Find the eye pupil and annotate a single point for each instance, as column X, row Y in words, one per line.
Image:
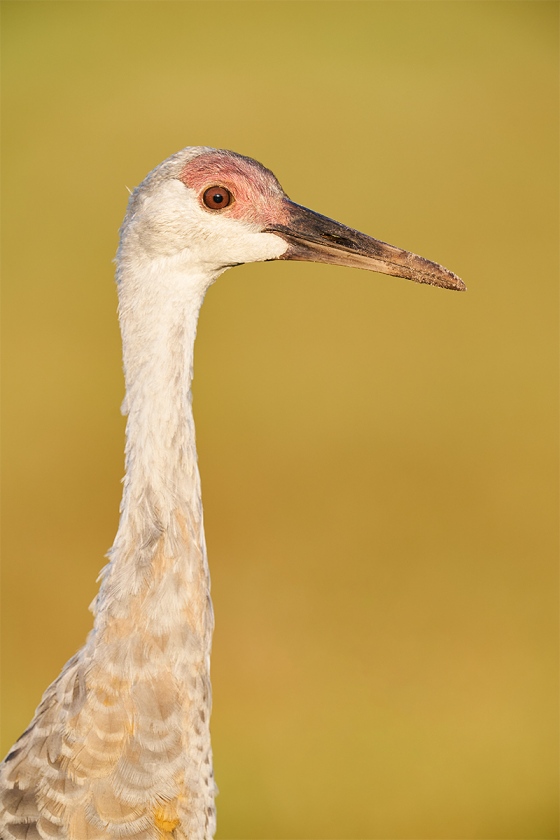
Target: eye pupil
column 216, row 198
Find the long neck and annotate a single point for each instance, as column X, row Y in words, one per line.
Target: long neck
column 158, row 562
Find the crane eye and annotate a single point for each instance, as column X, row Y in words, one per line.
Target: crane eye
column 216, row 198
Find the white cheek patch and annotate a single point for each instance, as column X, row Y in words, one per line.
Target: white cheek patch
column 232, row 241
column 173, row 221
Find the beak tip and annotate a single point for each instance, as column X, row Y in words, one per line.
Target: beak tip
column 458, row 286
column 437, row 275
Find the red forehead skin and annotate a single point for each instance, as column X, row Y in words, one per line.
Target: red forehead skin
column 258, row 197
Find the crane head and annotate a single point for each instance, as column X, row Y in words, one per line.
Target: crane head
column 222, row 209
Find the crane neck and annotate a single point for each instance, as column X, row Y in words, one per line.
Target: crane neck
column 161, row 525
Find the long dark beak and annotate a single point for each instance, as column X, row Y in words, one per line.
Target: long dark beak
column 316, row 238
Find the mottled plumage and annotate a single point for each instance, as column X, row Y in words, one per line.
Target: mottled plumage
column 120, row 745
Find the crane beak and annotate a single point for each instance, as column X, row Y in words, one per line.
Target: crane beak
column 315, row 238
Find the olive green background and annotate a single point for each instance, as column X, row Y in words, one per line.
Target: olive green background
column 378, row 458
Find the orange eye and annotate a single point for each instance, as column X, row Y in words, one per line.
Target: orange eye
column 216, row 198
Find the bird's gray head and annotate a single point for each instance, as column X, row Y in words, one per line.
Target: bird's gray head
column 210, row 209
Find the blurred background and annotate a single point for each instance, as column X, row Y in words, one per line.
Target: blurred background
column 378, row 458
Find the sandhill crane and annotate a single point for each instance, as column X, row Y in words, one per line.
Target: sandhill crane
column 120, row 744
